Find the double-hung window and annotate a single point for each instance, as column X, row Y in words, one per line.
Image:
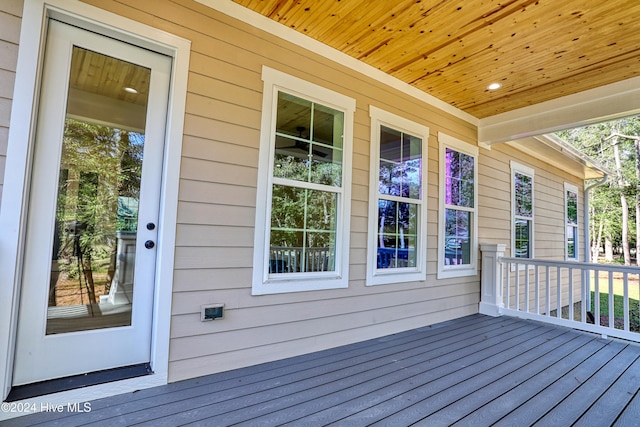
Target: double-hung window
column 571, row 219
column 457, row 237
column 522, row 208
column 397, row 203
column 302, row 208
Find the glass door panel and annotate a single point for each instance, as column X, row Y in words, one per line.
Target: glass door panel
column 98, row 195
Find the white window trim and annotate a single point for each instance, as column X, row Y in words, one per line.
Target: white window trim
column 471, row 269
column 523, row 170
column 573, row 188
column 275, row 81
column 377, row 276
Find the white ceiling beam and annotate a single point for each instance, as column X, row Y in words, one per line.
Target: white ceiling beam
column 106, row 111
column 591, row 106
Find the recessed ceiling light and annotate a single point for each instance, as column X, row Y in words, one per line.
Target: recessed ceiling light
column 130, row 90
column 494, row 86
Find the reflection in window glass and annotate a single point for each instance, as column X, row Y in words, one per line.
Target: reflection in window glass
column 459, row 201
column 459, row 179
column 399, row 193
column 308, row 142
column 571, row 198
column 523, row 214
column 524, row 198
column 458, row 237
column 96, row 216
column 571, row 242
column 303, row 230
column 522, row 233
column 400, row 164
column 397, row 234
column 308, row 153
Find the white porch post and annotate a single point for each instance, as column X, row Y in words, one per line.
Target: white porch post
column 491, row 301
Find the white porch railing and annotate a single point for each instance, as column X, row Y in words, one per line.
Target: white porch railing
column 563, row 293
column 287, row 259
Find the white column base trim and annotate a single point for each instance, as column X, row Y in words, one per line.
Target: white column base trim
column 490, row 309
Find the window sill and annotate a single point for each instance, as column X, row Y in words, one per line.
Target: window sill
column 457, row 272
column 382, row 277
column 282, row 285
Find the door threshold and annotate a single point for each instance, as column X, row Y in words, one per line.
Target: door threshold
column 57, row 385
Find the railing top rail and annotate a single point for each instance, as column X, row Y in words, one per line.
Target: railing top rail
column 572, row 264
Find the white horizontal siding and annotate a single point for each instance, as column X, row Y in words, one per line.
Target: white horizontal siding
column 10, row 20
column 495, row 201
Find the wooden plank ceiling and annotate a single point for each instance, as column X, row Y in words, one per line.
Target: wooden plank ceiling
column 92, row 72
column 453, row 49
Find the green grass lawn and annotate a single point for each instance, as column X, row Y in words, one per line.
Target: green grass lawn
column 618, row 309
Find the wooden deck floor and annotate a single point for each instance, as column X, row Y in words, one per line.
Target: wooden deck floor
column 473, row 371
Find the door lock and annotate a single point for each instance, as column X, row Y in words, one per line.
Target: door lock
column 151, row 226
column 149, row 244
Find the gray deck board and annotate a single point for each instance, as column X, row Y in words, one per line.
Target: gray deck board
column 373, row 387
column 291, row 383
column 397, row 371
column 440, row 381
column 180, row 393
column 537, row 375
column 394, row 370
column 430, row 409
column 310, row 387
column 578, row 402
column 476, row 370
column 610, row 404
column 631, row 414
column 534, row 407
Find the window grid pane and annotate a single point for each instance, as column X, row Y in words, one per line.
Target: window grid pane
column 308, row 145
column 523, row 195
column 522, row 214
column 572, row 208
column 400, row 175
column 459, row 179
column 397, row 234
column 459, row 208
column 400, row 164
column 522, row 238
column 303, row 230
column 307, row 156
column 572, row 238
column 457, row 246
column 572, row 224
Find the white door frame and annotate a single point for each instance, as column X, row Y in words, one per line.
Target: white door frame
column 41, row 355
column 15, row 189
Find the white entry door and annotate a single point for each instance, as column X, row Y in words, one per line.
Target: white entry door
column 88, row 270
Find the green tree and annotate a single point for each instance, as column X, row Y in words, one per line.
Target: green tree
column 100, row 166
column 616, row 146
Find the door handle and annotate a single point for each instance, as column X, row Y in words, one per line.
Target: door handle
column 149, row 244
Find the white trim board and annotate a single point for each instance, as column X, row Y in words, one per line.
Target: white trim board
column 13, row 213
column 270, row 26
